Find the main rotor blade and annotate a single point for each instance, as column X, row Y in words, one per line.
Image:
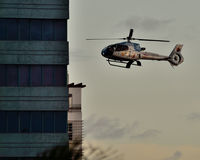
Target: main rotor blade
column 130, row 34
column 106, row 39
column 155, row 40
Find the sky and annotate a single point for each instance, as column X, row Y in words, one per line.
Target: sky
column 150, row 112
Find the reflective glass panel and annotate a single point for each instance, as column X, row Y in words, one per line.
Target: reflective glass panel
column 2, row 122
column 12, row 75
column 60, row 122
column 48, row 75
column 47, row 33
column 2, row 29
column 13, row 122
column 36, row 29
column 2, row 75
column 24, row 122
column 36, row 75
column 36, row 122
column 24, row 25
column 48, row 122
column 60, row 30
column 12, row 29
column 23, row 75
column 60, row 75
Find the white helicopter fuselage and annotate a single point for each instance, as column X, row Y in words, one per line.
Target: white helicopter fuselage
column 127, row 51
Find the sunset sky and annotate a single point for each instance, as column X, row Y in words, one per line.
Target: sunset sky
column 150, row 112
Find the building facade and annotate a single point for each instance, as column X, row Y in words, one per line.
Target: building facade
column 74, row 113
column 33, row 76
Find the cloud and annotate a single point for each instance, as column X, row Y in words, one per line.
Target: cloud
column 194, row 116
column 105, row 127
column 112, row 128
column 144, row 23
column 146, row 134
column 101, row 153
column 176, row 156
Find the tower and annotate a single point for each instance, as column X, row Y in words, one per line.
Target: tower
column 75, row 117
column 74, row 112
column 33, row 76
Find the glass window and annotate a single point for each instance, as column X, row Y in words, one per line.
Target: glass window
column 47, row 75
column 60, row 122
column 33, row 75
column 12, row 75
column 70, row 127
column 60, row 29
column 137, row 47
column 48, row 122
column 2, row 122
column 70, row 101
column 24, row 75
column 24, row 122
column 70, row 136
column 12, row 29
column 47, row 33
column 36, row 29
column 60, row 75
column 36, row 122
column 24, row 29
column 36, row 75
column 2, row 75
column 2, row 29
column 13, row 122
column 121, row 47
column 33, row 29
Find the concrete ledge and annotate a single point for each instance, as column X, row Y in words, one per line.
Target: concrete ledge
column 28, row 145
column 32, row 138
column 34, row 98
column 34, row 52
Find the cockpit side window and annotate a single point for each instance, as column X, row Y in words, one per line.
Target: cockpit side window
column 120, row 47
column 137, row 47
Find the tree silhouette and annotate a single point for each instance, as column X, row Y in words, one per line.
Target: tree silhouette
column 75, row 152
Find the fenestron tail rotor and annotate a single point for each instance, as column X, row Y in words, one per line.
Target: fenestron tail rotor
column 129, row 38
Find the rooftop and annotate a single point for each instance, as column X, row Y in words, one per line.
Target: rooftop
column 79, row 85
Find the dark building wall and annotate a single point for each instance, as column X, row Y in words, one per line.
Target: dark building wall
column 33, row 76
column 47, row 9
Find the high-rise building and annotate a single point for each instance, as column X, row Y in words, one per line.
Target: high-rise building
column 33, row 76
column 75, row 117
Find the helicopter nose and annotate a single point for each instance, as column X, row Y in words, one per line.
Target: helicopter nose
column 103, row 52
column 107, row 52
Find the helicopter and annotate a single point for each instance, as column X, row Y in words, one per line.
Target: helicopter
column 130, row 53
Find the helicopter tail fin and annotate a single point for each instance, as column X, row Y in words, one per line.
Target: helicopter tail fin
column 176, row 58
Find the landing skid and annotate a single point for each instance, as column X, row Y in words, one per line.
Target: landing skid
column 128, row 64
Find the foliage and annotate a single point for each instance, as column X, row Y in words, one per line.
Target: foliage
column 75, row 152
